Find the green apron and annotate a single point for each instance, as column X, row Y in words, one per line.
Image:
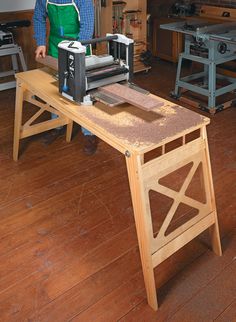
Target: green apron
column 64, row 22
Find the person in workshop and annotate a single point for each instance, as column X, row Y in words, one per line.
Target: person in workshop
column 67, row 18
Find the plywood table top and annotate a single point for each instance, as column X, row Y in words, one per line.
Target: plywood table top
column 125, row 127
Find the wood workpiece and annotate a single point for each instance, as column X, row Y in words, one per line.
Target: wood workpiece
column 135, row 132
column 132, row 96
column 48, row 61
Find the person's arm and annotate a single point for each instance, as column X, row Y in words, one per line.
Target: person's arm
column 39, row 20
column 86, row 10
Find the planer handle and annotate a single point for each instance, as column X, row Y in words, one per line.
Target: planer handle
column 96, row 40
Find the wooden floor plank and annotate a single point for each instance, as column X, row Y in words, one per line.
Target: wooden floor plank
column 229, row 314
column 183, row 287
column 69, row 238
column 32, row 204
column 54, row 278
column 214, row 298
column 89, row 291
column 127, row 295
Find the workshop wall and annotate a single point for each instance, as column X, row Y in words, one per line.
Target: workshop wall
column 225, row 3
column 161, row 8
column 13, row 5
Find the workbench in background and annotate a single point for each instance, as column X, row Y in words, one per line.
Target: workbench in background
column 157, row 146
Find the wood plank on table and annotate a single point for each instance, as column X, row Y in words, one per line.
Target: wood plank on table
column 48, row 61
column 133, row 97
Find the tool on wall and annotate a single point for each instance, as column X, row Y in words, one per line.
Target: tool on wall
column 118, row 16
column 132, row 22
column 97, row 17
column 183, row 8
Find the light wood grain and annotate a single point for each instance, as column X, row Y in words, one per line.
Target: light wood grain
column 133, row 97
column 49, row 61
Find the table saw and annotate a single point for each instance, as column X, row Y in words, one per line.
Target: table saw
column 210, row 44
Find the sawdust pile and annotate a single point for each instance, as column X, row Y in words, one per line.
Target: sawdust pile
column 138, row 128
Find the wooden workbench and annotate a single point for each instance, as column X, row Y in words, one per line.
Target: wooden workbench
column 155, row 145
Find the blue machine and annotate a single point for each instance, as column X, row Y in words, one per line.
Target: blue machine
column 211, row 45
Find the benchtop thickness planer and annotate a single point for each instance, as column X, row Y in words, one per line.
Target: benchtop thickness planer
column 107, row 78
column 79, row 73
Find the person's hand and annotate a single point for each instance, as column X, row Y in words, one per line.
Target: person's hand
column 40, row 52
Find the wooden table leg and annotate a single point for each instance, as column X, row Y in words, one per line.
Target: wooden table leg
column 142, row 222
column 214, row 230
column 29, row 128
column 69, row 129
column 18, row 119
column 144, row 177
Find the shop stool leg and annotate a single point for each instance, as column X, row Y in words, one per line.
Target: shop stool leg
column 177, row 89
column 14, row 63
column 69, row 129
column 22, row 59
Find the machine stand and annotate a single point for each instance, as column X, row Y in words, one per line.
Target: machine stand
column 208, row 45
column 208, row 86
column 13, row 51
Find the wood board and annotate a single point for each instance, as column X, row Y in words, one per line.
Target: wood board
column 132, row 96
column 49, row 61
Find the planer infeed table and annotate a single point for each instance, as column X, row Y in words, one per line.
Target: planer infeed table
column 211, row 45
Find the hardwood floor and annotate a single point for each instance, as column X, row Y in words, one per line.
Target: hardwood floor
column 68, row 246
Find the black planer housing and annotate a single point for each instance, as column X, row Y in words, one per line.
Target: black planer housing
column 79, row 73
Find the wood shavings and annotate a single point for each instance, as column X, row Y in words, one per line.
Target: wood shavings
column 167, row 109
column 140, row 128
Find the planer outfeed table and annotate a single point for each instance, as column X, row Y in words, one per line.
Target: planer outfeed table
column 210, row 44
column 148, row 142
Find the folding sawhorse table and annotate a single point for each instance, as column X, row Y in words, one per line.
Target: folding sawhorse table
column 137, row 134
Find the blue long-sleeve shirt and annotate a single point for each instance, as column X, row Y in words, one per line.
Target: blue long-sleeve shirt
column 86, row 11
